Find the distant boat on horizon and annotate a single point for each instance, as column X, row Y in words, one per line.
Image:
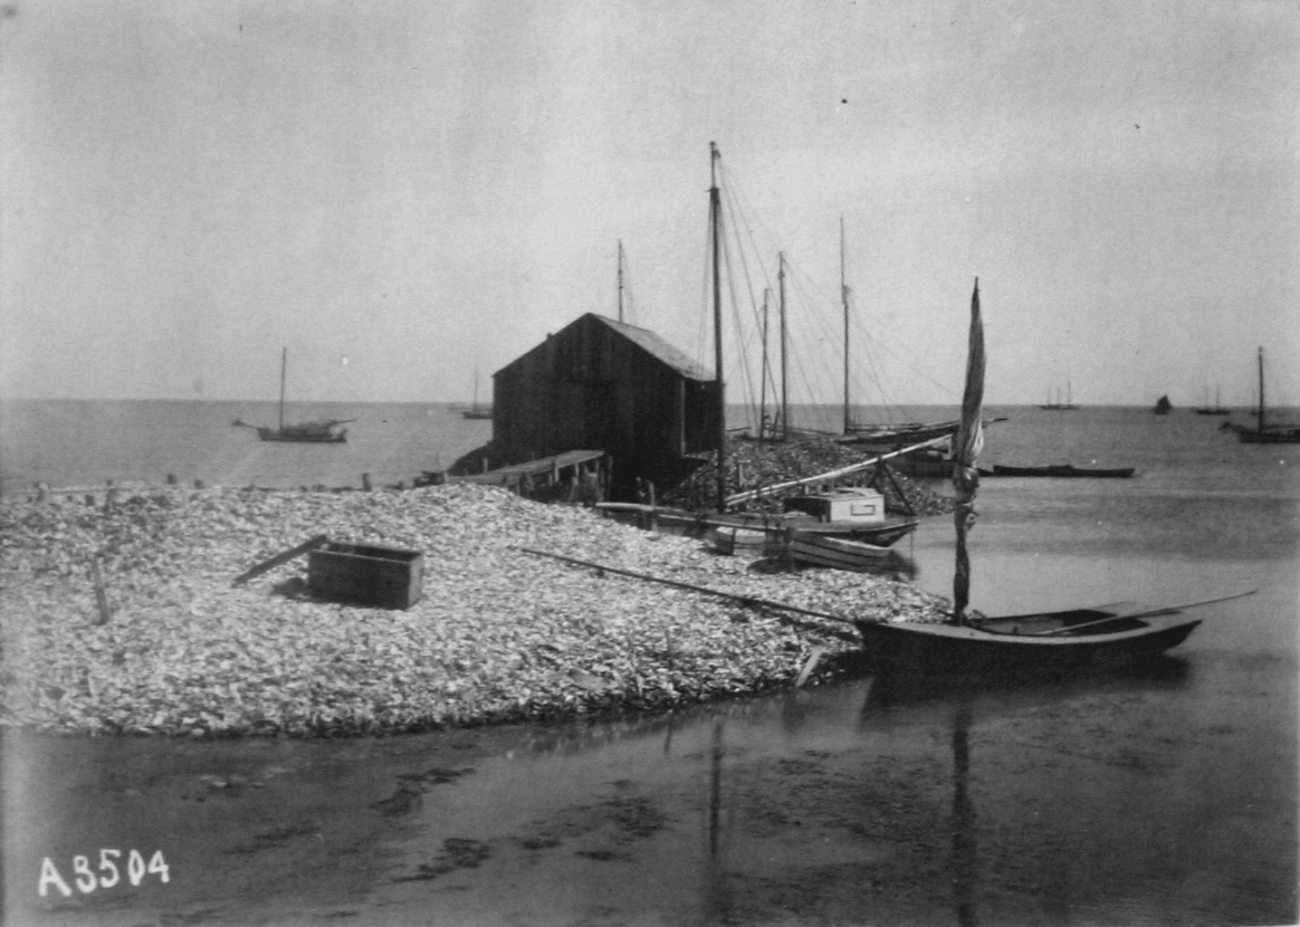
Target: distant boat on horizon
column 475, row 410
column 1163, row 405
column 1216, row 409
column 324, row 431
column 1059, row 406
column 1265, row 433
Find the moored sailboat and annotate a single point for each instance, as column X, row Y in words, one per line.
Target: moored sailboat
column 476, row 410
column 1052, row 641
column 1264, row 433
column 323, row 431
column 1216, row 409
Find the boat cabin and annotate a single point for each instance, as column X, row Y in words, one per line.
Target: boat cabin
column 854, row 504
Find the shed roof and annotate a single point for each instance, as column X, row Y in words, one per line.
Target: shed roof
column 655, row 345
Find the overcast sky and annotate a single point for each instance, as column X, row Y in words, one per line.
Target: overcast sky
column 402, row 192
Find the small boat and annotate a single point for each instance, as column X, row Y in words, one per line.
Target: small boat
column 1017, row 644
column 1264, row 433
column 897, row 435
column 1163, row 405
column 700, row 524
column 732, row 541
column 1048, row 642
column 1061, row 470
column 815, row 548
column 324, row 431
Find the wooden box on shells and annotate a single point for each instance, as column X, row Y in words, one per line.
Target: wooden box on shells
column 362, row 574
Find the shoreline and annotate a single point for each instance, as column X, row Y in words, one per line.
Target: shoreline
column 498, row 636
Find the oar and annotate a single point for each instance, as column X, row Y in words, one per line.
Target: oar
column 284, row 557
column 1165, row 610
column 745, row 599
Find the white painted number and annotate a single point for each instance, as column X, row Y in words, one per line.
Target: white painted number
column 106, row 863
column 110, row 874
column 86, row 880
column 159, row 865
column 135, row 867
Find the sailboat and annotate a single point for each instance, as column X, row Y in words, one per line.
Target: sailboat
column 476, row 410
column 880, row 436
column 1163, row 405
column 1050, row 641
column 1216, row 409
column 324, row 431
column 1059, row 406
column 1264, row 433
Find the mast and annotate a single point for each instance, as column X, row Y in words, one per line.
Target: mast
column 785, row 420
column 844, row 298
column 715, row 222
column 620, row 280
column 1261, row 388
column 762, row 376
column 284, row 362
column 966, row 448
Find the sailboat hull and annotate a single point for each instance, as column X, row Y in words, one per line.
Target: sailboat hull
column 1275, row 436
column 952, row 649
column 299, row 434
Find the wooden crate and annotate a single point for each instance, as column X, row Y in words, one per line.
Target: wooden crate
column 362, row 574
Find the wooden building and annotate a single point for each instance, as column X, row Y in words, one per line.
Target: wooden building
column 603, row 384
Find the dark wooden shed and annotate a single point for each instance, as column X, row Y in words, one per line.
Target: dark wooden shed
column 602, row 384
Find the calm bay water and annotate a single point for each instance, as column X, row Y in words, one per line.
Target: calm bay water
column 1161, row 796
column 84, row 443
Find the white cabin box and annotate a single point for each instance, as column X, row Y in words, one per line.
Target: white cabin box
column 849, row 504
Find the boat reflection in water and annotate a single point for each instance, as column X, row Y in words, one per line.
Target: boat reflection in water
column 953, row 701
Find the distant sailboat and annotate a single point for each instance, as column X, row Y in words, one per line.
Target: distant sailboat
column 1216, row 409
column 1163, row 405
column 1265, row 433
column 325, row 431
column 1059, row 406
column 476, row 410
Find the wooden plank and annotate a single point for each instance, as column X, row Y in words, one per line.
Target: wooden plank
column 751, row 601
column 278, row 559
column 101, row 593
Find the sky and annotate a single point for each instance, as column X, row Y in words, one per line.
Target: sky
column 409, row 195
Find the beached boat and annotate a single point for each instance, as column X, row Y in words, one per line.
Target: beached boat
column 1061, row 471
column 733, row 541
column 813, row 548
column 1264, row 433
column 1047, row 642
column 1019, row 644
column 323, row 431
column 699, row 524
column 1163, row 406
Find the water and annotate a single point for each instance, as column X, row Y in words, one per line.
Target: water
column 1165, row 795
column 83, row 443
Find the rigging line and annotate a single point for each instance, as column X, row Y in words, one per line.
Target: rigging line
column 736, row 192
column 823, row 336
column 747, row 390
column 736, row 223
column 736, row 243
